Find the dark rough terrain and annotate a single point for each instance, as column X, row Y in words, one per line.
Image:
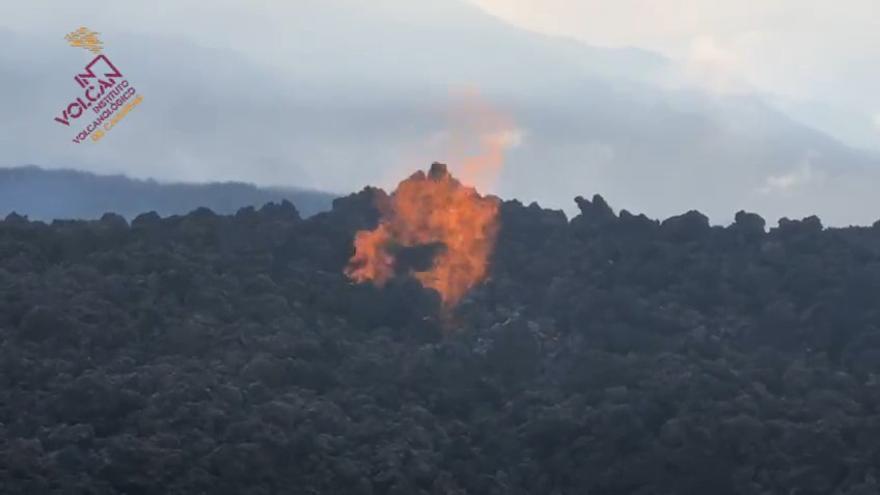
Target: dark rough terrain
column 609, row 354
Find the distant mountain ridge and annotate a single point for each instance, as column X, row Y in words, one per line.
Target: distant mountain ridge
column 48, row 194
column 334, row 112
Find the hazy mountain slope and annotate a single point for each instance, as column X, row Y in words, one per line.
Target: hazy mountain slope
column 67, row 194
column 336, row 94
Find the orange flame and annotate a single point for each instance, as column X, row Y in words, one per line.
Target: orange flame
column 437, row 209
column 476, row 136
column 426, row 209
column 479, row 136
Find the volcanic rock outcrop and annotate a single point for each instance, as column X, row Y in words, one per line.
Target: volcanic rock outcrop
column 609, row 354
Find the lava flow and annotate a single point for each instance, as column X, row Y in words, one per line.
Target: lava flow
column 434, row 211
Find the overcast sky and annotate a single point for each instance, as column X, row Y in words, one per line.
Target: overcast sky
column 820, row 59
column 715, row 105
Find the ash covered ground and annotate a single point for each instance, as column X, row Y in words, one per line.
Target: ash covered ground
column 608, row 354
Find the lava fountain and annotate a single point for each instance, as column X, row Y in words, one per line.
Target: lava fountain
column 437, row 213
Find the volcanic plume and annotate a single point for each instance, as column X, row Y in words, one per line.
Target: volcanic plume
column 435, row 215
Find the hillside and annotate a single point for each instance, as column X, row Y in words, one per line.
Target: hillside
column 608, row 354
column 334, row 112
column 43, row 194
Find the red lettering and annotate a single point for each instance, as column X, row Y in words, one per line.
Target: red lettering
column 90, row 74
column 74, row 109
column 89, row 95
column 63, row 119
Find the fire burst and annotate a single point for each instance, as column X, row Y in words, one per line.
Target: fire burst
column 431, row 210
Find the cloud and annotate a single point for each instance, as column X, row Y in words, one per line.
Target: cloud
column 793, row 181
column 345, row 113
column 771, row 46
column 714, row 67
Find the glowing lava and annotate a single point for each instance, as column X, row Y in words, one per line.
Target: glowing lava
column 433, row 209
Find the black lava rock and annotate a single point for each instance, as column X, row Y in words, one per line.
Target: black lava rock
column 609, row 354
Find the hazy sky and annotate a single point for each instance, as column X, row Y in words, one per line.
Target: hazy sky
column 820, row 59
column 715, row 105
